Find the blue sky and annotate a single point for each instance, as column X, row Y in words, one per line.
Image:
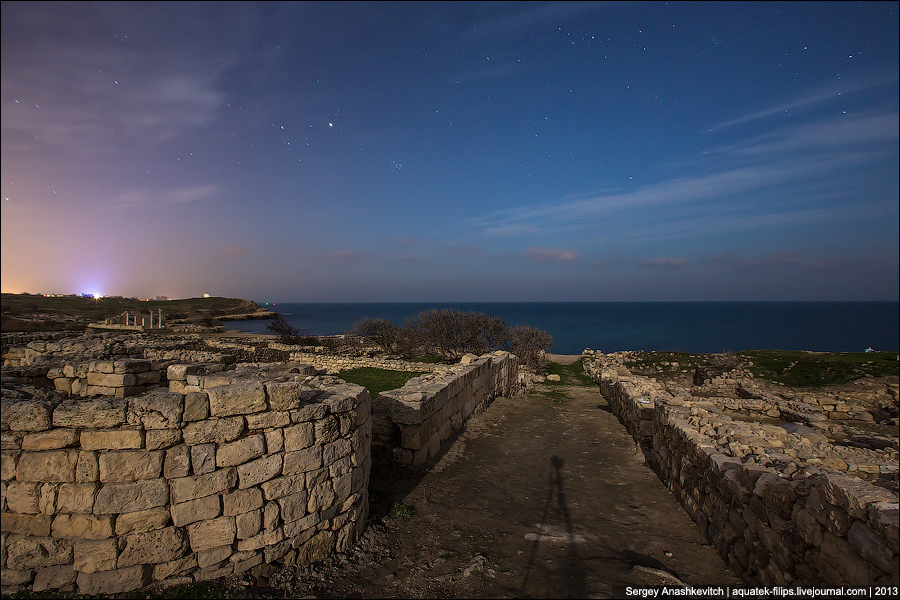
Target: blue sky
column 452, row 152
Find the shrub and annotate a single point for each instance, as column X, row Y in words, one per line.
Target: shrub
column 451, row 333
column 381, row 331
column 529, row 344
column 287, row 333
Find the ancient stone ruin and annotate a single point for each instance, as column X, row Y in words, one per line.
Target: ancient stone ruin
column 123, row 466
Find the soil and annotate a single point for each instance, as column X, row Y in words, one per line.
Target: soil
column 542, row 496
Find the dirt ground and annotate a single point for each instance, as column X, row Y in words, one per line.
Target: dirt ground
column 542, row 496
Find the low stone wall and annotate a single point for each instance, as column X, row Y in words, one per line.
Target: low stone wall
column 108, row 495
column 773, row 510
column 411, row 423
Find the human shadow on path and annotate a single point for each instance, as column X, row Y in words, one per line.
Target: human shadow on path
column 573, row 568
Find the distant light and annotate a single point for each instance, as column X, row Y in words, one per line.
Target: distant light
column 331, row 124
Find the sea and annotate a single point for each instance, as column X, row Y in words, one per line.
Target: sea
column 694, row 327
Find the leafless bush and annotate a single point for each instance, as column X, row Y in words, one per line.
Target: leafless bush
column 529, row 344
column 287, row 333
column 382, row 332
column 450, row 333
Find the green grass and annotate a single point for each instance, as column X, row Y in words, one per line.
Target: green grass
column 570, row 374
column 401, row 512
column 808, row 369
column 378, row 380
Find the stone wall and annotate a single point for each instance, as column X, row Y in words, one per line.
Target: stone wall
column 776, row 513
column 411, row 423
column 112, row 494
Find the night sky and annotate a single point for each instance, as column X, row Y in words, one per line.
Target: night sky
column 451, row 152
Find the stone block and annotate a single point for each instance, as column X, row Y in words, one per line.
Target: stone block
column 142, row 520
column 852, row 494
column 26, row 415
column 177, row 462
column 299, row 436
column 76, row 497
column 131, row 365
column 159, row 439
column 125, row 466
column 316, row 548
column 87, row 469
column 302, row 461
column 53, row 439
column 282, row 486
column 321, row 497
column 216, row 431
column 775, row 493
column 213, row 556
column 23, row 497
column 147, row 378
column 198, row 486
column 212, row 533
column 116, row 581
column 196, row 406
column 309, row 412
column 151, row 547
column 38, row 525
column 116, row 498
column 158, row 409
column 101, row 366
column 199, row 509
column 99, row 413
column 96, row 555
column 8, row 463
column 49, row 466
column 872, row 547
column 284, row 395
column 327, row 430
column 13, row 577
column 236, row 399
column 842, row 564
column 266, row 538
column 274, row 441
column 52, row 578
column 336, row 450
column 82, row 526
column 33, row 552
column 203, row 458
column 241, row 501
column 112, row 380
column 884, row 517
column 174, row 567
column 240, row 451
column 248, row 524
column 294, row 506
column 115, row 439
column 268, row 420
column 258, row 471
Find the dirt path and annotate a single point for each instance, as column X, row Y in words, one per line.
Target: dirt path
column 542, row 496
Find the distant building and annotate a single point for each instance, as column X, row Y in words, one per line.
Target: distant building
column 206, row 294
column 161, row 298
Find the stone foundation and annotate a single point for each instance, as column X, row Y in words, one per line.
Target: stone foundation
column 111, row 494
column 410, row 424
column 774, row 510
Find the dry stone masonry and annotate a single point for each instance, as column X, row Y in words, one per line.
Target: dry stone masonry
column 780, row 503
column 411, row 423
column 219, row 473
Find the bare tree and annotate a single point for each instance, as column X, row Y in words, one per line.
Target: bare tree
column 529, row 344
column 381, row 331
column 287, row 333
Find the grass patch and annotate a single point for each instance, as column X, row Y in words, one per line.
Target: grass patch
column 572, row 374
column 556, row 396
column 378, row 380
column 401, row 512
column 809, row 369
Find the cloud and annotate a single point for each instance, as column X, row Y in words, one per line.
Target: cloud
column 665, row 261
column 146, row 198
column 541, row 254
column 813, row 99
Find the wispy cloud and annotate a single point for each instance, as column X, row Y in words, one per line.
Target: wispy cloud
column 146, row 198
column 541, row 254
column 664, row 261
